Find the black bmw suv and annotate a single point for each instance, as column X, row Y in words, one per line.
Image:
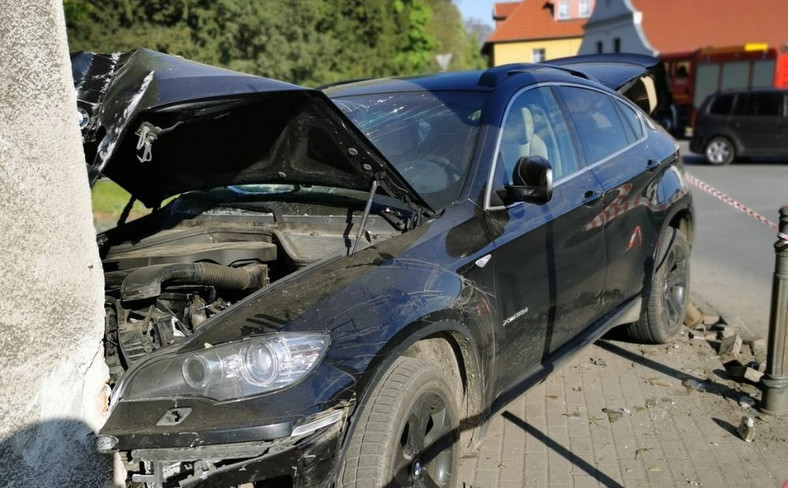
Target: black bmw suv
column 352, row 280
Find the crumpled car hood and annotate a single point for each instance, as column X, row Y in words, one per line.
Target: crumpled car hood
column 160, row 125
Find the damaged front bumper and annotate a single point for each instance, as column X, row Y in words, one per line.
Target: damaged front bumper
column 305, row 457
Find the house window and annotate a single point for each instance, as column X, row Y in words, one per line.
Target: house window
column 563, row 10
column 598, row 46
column 584, row 9
column 617, row 45
column 537, row 55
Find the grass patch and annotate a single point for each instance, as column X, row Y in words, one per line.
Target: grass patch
column 109, row 199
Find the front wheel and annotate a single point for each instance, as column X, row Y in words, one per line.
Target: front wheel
column 666, row 303
column 720, row 151
column 407, row 434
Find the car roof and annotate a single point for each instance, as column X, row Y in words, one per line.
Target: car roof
column 478, row 80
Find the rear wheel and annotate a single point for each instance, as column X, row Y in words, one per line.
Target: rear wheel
column 720, row 151
column 666, row 303
column 407, row 434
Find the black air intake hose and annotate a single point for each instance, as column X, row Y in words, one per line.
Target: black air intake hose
column 147, row 282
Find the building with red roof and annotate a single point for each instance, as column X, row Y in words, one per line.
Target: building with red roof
column 659, row 27
column 532, row 31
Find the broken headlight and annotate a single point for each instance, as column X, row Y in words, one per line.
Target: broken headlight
column 230, row 371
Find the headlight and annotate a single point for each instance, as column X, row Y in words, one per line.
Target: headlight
column 230, row 371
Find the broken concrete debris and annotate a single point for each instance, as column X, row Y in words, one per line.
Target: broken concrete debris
column 613, row 414
column 758, row 348
column 726, row 332
column 711, row 336
column 709, row 319
column 731, row 345
column 752, row 371
column 747, row 401
column 747, row 428
column 752, row 375
column 693, row 384
column 693, row 316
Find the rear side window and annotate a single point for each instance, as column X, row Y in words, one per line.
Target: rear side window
column 721, row 105
column 631, row 120
column 599, row 126
column 760, row 104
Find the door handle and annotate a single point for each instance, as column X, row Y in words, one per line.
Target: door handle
column 591, row 196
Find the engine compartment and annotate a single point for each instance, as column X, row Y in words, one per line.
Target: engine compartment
column 168, row 273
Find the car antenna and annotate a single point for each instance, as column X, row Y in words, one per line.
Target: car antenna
column 366, row 214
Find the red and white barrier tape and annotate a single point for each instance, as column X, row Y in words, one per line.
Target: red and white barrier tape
column 730, row 201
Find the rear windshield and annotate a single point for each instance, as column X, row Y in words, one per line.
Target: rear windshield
column 429, row 137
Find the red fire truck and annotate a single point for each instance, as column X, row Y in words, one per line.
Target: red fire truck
column 694, row 75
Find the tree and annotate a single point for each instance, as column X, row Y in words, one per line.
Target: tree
column 309, row 42
column 448, row 27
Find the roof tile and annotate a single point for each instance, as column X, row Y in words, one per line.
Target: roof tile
column 673, row 26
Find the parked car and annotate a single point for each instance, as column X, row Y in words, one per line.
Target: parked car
column 741, row 124
column 353, row 279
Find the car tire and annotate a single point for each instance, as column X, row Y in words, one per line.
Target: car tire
column 407, row 432
column 666, row 303
column 720, row 151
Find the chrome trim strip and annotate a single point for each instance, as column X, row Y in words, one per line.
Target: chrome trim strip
column 317, row 424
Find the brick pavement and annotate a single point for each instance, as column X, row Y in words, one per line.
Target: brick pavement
column 669, row 435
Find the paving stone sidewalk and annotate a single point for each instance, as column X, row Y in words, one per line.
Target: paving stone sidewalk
column 624, row 414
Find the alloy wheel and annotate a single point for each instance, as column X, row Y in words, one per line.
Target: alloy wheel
column 719, row 151
column 675, row 289
column 425, row 453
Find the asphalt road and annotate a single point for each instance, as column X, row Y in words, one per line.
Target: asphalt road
column 733, row 255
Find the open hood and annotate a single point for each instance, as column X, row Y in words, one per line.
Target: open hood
column 159, row 125
column 638, row 77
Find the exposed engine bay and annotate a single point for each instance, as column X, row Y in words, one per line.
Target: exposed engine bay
column 167, row 273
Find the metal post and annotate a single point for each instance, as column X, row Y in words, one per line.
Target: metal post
column 775, row 381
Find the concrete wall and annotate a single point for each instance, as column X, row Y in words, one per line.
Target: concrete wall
column 52, row 373
column 521, row 52
column 615, row 19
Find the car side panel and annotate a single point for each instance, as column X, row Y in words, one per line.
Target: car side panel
column 631, row 185
column 550, row 267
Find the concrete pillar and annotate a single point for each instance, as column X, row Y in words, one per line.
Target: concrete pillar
column 52, row 373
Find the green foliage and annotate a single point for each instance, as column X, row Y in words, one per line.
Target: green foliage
column 76, row 10
column 308, row 42
column 109, row 200
column 449, row 29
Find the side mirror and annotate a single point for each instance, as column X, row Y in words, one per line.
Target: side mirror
column 532, row 181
